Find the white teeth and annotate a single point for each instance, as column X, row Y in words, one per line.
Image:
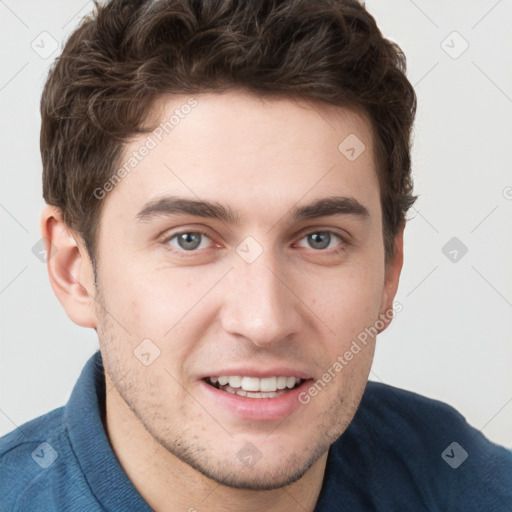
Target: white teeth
column 290, row 382
column 249, row 394
column 281, row 382
column 262, row 395
column 250, row 383
column 269, row 383
column 235, row 382
column 255, row 385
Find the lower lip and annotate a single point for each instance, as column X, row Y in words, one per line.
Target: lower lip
column 261, row 409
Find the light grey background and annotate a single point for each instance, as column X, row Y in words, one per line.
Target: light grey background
column 452, row 340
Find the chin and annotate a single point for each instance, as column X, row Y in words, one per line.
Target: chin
column 273, row 475
column 248, row 467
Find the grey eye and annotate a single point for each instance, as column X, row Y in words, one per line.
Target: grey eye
column 189, row 241
column 320, row 240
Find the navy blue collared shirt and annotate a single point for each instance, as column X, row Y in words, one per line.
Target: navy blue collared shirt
column 401, row 452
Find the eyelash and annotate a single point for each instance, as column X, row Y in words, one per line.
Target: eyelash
column 182, row 252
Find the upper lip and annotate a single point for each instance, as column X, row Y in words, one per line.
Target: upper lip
column 280, row 371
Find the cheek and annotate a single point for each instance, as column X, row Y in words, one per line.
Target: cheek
column 350, row 300
column 145, row 296
column 161, row 306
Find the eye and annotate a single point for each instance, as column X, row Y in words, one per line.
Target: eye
column 321, row 240
column 188, row 240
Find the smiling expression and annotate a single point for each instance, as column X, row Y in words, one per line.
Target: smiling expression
column 244, row 244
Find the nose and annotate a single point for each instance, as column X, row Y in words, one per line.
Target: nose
column 260, row 303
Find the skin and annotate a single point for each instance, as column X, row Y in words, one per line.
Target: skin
column 296, row 305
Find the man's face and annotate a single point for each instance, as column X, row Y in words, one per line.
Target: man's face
column 271, row 295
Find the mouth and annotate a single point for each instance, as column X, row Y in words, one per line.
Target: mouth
column 259, row 399
column 254, row 387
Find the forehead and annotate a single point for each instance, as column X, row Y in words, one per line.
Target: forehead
column 247, row 150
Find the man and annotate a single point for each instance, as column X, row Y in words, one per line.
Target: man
column 227, row 184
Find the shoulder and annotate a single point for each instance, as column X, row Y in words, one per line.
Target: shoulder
column 406, row 406
column 27, row 453
column 427, row 448
column 399, row 411
column 14, row 445
column 35, row 461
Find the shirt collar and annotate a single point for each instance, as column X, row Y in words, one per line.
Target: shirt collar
column 84, row 417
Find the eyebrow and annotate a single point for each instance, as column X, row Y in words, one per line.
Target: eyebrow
column 170, row 205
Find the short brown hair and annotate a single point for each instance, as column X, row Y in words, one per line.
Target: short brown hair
column 129, row 52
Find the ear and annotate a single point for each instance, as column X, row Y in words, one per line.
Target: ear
column 393, row 270
column 69, row 268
